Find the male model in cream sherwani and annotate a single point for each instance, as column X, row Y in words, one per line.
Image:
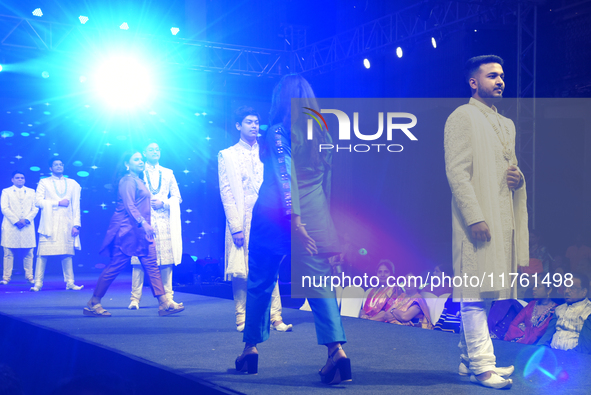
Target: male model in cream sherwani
column 489, row 213
column 18, row 226
column 166, row 221
column 58, row 198
column 241, row 175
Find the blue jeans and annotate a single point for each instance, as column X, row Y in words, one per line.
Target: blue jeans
column 262, row 277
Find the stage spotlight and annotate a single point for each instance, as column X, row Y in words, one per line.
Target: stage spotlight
column 123, row 82
column 38, row 12
column 174, row 30
column 366, row 63
column 399, row 52
column 433, row 42
column 83, row 19
column 124, row 26
column 82, row 78
column 45, row 74
column 0, row 67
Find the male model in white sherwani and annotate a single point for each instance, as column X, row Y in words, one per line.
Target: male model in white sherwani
column 240, row 172
column 489, row 213
column 58, row 198
column 18, row 226
column 166, row 221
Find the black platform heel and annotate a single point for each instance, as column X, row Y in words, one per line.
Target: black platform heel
column 249, row 364
column 341, row 370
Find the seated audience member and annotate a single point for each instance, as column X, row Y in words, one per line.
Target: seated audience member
column 539, row 258
column 501, row 314
column 570, row 329
column 377, row 298
column 577, row 252
column 440, row 271
column 558, row 292
column 439, row 285
column 532, row 321
column 409, row 308
column 450, row 319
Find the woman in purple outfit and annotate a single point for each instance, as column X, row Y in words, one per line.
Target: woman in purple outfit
column 130, row 234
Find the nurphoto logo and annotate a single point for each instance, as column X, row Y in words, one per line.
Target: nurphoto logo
column 345, row 130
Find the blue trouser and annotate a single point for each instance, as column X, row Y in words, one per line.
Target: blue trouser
column 263, row 270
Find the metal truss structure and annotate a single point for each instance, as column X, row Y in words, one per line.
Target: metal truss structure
column 36, row 34
column 421, row 20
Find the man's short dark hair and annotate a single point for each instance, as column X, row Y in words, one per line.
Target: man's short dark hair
column 473, row 64
column 584, row 279
column 244, row 111
column 51, row 160
column 14, row 173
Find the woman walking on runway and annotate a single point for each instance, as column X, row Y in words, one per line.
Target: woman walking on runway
column 130, row 234
column 293, row 204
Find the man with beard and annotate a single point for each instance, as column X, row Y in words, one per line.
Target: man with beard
column 489, row 213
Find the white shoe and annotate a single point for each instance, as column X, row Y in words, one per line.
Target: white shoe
column 74, row 287
column 134, row 305
column 494, row 381
column 36, row 288
column 282, row 327
column 3, row 282
column 463, row 370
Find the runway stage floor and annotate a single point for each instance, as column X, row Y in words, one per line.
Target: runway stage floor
column 46, row 339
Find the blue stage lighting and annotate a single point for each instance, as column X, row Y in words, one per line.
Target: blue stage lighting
column 83, row 19
column 366, row 63
column 433, row 42
column 38, row 12
column 174, row 30
column 45, row 74
column 399, row 52
column 123, row 82
column 0, row 67
column 124, row 26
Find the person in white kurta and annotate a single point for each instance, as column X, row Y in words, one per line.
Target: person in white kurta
column 489, row 214
column 166, row 221
column 18, row 226
column 58, row 198
column 240, row 173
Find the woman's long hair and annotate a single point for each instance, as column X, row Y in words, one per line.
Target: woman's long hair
column 294, row 86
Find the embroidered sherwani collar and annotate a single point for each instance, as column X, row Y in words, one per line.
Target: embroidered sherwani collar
column 483, row 107
column 247, row 146
column 150, row 167
column 16, row 189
